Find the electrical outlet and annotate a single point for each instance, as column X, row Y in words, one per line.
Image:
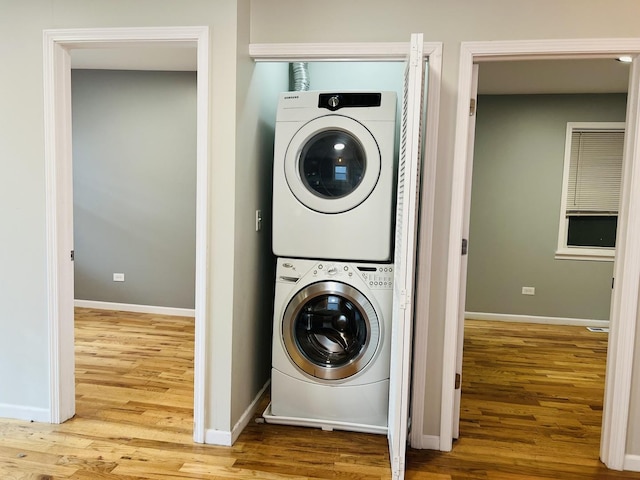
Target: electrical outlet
column 118, row 277
column 528, row 290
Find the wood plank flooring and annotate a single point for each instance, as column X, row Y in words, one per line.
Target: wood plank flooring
column 531, row 410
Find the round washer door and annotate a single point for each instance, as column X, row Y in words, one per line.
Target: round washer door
column 330, row 330
column 332, row 164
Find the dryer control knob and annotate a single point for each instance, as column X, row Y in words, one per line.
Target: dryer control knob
column 334, row 101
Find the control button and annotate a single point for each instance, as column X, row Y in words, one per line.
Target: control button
column 320, row 266
column 346, row 268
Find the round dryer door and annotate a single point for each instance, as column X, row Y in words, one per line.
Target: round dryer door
column 332, row 164
column 330, row 330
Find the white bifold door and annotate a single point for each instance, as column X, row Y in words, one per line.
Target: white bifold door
column 405, row 249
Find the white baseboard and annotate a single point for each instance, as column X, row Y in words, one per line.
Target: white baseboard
column 130, row 307
column 427, row 442
column 30, row 414
column 217, row 437
column 632, row 463
column 248, row 414
column 502, row 317
column 225, row 438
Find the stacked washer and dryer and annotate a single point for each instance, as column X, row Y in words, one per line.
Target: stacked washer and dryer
column 333, row 204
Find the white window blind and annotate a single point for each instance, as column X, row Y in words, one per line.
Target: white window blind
column 595, row 172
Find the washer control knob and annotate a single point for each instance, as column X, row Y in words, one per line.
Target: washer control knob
column 334, row 101
column 332, row 270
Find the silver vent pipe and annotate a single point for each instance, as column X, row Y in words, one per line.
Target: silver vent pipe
column 300, row 72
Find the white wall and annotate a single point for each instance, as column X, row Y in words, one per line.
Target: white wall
column 451, row 22
column 23, row 308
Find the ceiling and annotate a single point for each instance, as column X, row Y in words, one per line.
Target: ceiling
column 499, row 78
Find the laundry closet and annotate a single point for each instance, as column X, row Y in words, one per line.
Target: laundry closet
column 333, row 228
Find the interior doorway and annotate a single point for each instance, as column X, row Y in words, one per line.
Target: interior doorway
column 134, row 171
column 624, row 296
column 516, row 286
column 57, row 68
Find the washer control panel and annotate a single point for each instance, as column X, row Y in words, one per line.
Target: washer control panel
column 378, row 277
column 375, row 276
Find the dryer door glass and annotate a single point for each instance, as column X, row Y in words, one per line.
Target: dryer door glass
column 330, row 330
column 332, row 164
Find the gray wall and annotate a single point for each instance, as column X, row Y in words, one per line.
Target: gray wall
column 134, row 159
column 515, row 208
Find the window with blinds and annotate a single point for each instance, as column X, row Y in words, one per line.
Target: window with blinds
column 591, row 190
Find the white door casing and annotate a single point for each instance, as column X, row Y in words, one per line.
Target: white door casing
column 624, row 299
column 627, row 267
column 464, row 248
column 57, row 45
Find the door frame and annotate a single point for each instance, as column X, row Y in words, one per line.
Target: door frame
column 57, row 45
column 393, row 52
column 627, row 266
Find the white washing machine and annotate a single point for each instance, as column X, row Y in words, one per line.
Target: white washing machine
column 331, row 343
column 333, row 176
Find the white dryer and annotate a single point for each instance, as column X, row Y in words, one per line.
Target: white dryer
column 333, row 176
column 331, row 343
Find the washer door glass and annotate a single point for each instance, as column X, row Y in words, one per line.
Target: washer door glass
column 332, row 164
column 330, row 330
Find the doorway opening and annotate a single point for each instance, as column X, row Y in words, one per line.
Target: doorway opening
column 134, row 174
column 515, row 282
column 624, row 300
column 58, row 152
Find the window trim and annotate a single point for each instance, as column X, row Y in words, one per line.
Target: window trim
column 563, row 251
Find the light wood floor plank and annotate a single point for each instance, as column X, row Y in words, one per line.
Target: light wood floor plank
column 531, row 410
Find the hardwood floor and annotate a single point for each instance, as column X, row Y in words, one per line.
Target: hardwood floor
column 531, row 410
column 531, row 405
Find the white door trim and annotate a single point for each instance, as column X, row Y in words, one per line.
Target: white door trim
column 627, row 269
column 309, row 52
column 394, row 51
column 59, row 199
